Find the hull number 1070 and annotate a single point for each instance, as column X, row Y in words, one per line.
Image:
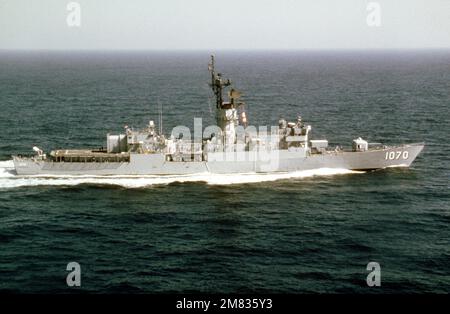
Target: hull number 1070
column 396, row 155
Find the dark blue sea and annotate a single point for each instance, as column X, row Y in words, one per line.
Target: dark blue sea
column 299, row 234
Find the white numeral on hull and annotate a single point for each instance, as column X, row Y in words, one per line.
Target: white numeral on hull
column 396, row 155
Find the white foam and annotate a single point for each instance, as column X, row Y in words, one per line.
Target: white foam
column 6, row 169
column 9, row 180
column 397, row 166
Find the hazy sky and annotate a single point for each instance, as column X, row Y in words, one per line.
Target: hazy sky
column 227, row 24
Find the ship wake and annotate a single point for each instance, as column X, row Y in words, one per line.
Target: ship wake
column 8, row 178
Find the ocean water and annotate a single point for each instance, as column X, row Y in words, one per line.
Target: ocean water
column 304, row 232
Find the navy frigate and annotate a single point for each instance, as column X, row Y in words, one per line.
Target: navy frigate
column 231, row 146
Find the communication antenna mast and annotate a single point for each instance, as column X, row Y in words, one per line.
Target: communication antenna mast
column 160, row 122
column 218, row 84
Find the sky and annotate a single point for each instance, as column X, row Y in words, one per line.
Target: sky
column 226, row 24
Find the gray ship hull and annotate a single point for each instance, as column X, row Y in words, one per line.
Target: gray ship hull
column 228, row 163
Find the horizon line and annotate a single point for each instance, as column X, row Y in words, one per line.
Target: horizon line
column 220, row 49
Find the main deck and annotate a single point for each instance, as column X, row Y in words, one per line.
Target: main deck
column 85, row 155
